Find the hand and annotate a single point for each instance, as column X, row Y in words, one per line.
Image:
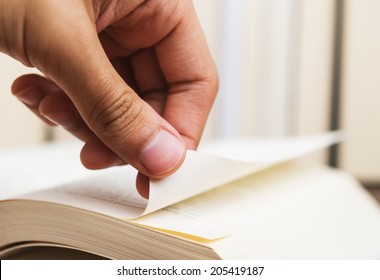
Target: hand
column 133, row 79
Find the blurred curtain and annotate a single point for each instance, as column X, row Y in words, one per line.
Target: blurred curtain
column 274, row 61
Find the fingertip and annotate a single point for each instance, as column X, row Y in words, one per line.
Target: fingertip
column 142, row 185
column 95, row 155
column 33, row 80
column 31, row 96
column 163, row 154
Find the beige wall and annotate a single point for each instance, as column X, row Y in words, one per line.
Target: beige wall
column 314, row 69
column 313, row 83
column 360, row 153
column 17, row 125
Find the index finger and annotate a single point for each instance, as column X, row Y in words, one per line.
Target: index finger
column 191, row 75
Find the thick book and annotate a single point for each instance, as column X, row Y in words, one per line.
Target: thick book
column 233, row 199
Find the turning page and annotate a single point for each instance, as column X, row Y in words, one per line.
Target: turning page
column 114, row 192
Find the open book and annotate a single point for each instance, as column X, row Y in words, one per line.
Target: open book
column 237, row 199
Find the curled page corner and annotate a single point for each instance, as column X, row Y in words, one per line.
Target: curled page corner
column 199, row 173
column 222, row 162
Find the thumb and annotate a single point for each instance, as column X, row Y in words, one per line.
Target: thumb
column 114, row 112
column 121, row 120
column 136, row 136
column 130, row 128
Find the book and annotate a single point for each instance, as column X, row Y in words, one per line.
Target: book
column 233, row 199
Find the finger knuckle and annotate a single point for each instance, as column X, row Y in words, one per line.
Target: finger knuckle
column 116, row 114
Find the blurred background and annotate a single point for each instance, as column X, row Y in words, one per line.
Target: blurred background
column 287, row 67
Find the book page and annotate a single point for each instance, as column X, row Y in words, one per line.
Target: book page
column 221, row 162
column 295, row 197
column 30, row 169
column 114, row 193
column 314, row 213
column 304, row 200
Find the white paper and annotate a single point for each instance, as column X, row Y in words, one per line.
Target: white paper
column 30, row 169
column 114, row 193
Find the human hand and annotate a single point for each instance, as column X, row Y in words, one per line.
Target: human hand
column 133, row 79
